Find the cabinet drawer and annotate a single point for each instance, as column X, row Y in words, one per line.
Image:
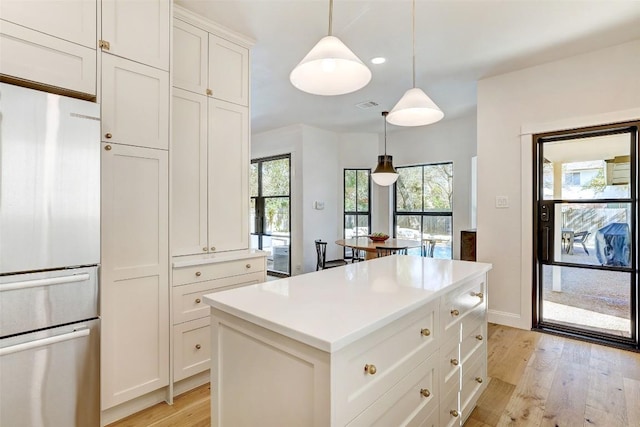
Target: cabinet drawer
column 203, row 272
column 450, row 363
column 472, row 343
column 404, row 404
column 191, row 348
column 393, row 351
column 461, row 301
column 449, row 410
column 474, row 377
column 187, row 299
column 29, row 55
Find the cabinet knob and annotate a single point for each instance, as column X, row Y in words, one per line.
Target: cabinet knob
column 479, row 380
column 198, row 346
column 370, row 369
column 248, row 265
column 209, row 92
column 107, row 147
column 103, row 44
column 479, row 337
column 108, row 135
column 213, row 248
column 205, row 249
column 198, row 274
column 454, row 362
column 198, row 300
column 425, row 332
column 477, row 294
column 454, row 413
column 424, row 392
column 455, row 312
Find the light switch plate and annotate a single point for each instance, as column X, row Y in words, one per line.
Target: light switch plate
column 502, row 202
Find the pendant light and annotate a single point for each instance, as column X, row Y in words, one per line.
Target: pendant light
column 330, row 68
column 385, row 174
column 415, row 108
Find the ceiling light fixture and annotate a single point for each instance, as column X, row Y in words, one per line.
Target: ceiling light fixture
column 378, row 60
column 415, row 108
column 330, row 68
column 385, row 174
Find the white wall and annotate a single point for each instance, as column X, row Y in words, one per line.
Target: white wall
column 589, row 89
column 446, row 141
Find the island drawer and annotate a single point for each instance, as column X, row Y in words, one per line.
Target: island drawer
column 203, row 272
column 191, row 348
column 449, row 410
column 187, row 299
column 409, row 402
column 474, row 376
column 462, row 301
column 369, row 367
column 473, row 342
column 450, row 364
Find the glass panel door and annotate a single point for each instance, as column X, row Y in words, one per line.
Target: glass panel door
column 586, row 246
column 271, row 211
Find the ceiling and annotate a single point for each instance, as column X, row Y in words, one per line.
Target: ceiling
column 457, row 43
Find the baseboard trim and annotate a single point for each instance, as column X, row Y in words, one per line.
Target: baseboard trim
column 192, row 382
column 130, row 407
column 508, row 319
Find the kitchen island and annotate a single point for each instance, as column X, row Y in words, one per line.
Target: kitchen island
column 389, row 341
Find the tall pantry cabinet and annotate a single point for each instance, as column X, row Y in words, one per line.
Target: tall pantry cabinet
column 135, row 95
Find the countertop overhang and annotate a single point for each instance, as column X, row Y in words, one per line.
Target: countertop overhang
column 333, row 308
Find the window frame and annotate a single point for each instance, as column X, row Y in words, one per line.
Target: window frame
column 355, row 213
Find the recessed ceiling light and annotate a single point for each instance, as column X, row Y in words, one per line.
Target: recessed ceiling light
column 378, row 60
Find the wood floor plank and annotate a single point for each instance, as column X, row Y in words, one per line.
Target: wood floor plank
column 492, row 402
column 606, row 404
column 515, row 353
column 632, row 400
column 566, row 402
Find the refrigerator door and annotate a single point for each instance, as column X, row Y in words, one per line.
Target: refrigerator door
column 49, row 181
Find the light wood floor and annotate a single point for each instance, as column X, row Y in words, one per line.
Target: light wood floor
column 535, row 380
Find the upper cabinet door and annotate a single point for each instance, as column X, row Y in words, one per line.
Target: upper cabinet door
column 138, row 30
column 228, row 71
column 190, row 57
column 135, row 104
column 53, row 17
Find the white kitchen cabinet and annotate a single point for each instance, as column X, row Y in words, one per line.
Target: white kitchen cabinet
column 210, row 141
column 134, row 272
column 192, row 278
column 30, row 55
column 53, row 17
column 135, row 103
column 228, row 180
column 342, row 350
column 137, row 30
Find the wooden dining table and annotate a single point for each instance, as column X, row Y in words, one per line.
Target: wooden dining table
column 369, row 246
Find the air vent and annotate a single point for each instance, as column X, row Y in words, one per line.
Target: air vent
column 367, row 104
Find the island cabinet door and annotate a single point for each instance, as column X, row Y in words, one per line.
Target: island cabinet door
column 371, row 366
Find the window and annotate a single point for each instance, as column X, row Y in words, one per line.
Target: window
column 357, row 206
column 423, row 206
column 572, row 178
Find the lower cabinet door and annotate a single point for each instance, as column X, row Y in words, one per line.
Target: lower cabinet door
column 450, row 411
column 474, row 377
column 191, row 348
column 409, row 403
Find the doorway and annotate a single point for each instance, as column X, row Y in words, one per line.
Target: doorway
column 270, row 189
column 586, row 236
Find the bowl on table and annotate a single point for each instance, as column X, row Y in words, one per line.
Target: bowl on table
column 378, row 238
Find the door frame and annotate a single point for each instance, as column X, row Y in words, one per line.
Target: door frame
column 535, row 177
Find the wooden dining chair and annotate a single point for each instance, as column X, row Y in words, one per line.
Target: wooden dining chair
column 388, row 250
column 322, row 262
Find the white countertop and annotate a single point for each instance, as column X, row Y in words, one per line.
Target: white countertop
column 332, row 308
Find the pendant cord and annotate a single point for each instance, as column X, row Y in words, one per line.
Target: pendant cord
column 414, row 42
column 330, row 17
column 384, row 114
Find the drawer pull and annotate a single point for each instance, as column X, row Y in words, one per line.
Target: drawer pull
column 479, row 337
column 108, row 135
column 479, row 380
column 370, row 369
column 198, row 346
column 205, row 249
column 198, row 274
column 425, row 332
column 455, row 312
column 198, row 300
column 248, row 265
column 477, row 294
column 213, row 248
column 424, row 392
column 454, row 362
column 454, row 413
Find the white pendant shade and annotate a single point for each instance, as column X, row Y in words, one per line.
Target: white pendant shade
column 384, row 179
column 330, row 68
column 415, row 108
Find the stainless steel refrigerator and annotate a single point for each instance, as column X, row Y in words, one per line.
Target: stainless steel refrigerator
column 49, row 259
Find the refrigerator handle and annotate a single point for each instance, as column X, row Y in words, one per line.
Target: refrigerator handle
column 44, row 282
